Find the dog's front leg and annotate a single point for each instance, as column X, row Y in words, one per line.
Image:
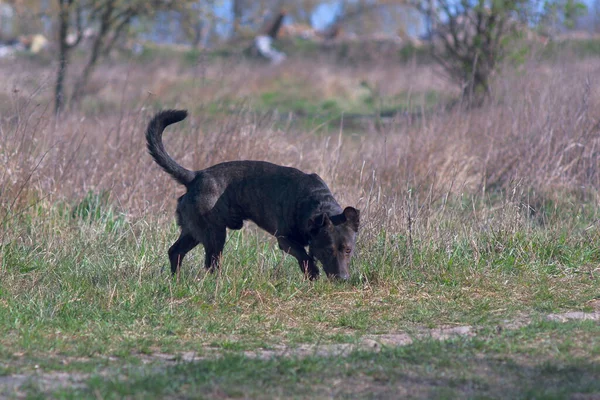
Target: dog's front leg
column 307, row 263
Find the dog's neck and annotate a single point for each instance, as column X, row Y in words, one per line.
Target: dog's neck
column 312, row 208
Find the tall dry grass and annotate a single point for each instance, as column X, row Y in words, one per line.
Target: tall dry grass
column 539, row 134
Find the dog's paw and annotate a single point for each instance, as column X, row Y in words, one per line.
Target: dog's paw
column 311, row 275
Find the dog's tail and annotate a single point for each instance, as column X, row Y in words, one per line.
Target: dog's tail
column 157, row 150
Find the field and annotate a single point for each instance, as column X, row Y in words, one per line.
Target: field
column 477, row 271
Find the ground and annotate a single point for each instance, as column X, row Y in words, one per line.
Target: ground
column 476, row 272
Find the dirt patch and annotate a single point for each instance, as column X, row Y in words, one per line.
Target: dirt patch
column 368, row 342
column 14, row 385
column 575, row 315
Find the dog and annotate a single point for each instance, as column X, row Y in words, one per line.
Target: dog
column 295, row 207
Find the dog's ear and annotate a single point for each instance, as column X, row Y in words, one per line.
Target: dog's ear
column 352, row 216
column 338, row 219
column 318, row 222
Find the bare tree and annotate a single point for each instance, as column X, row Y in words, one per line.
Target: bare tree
column 198, row 23
column 470, row 38
column 113, row 18
column 238, row 7
column 249, row 16
column 110, row 19
column 596, row 15
column 68, row 10
column 368, row 16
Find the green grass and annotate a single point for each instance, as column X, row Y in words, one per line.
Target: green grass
column 507, row 365
column 290, row 101
column 308, row 107
column 84, row 282
column 289, row 98
column 581, row 48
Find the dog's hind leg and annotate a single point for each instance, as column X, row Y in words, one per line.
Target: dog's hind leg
column 180, row 248
column 307, row 263
column 214, row 242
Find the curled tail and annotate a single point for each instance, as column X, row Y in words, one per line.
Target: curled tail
column 157, row 150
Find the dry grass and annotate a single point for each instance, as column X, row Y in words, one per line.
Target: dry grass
column 469, row 217
column 539, row 134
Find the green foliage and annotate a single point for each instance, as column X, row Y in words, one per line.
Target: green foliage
column 286, row 101
column 96, row 208
column 584, row 48
column 84, row 282
column 409, row 52
column 113, row 266
column 572, row 10
column 563, row 12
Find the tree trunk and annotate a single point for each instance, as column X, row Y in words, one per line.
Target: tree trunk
column 106, row 21
column 63, row 59
column 476, row 89
column 198, row 28
column 87, row 71
column 237, row 17
column 89, row 67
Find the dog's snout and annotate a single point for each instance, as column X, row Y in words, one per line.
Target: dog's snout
column 342, row 276
column 343, row 271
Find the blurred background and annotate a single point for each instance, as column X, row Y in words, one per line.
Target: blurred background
column 468, row 40
column 386, row 100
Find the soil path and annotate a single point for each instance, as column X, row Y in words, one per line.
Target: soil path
column 11, row 385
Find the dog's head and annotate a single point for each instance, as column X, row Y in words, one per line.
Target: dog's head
column 332, row 241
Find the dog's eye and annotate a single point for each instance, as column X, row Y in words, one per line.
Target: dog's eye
column 347, row 250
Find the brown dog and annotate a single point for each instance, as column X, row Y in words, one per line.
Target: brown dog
column 297, row 208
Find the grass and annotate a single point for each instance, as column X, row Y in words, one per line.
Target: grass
column 484, row 218
column 96, row 286
column 295, row 104
column 492, row 365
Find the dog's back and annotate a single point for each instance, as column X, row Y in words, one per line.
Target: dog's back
column 276, row 198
